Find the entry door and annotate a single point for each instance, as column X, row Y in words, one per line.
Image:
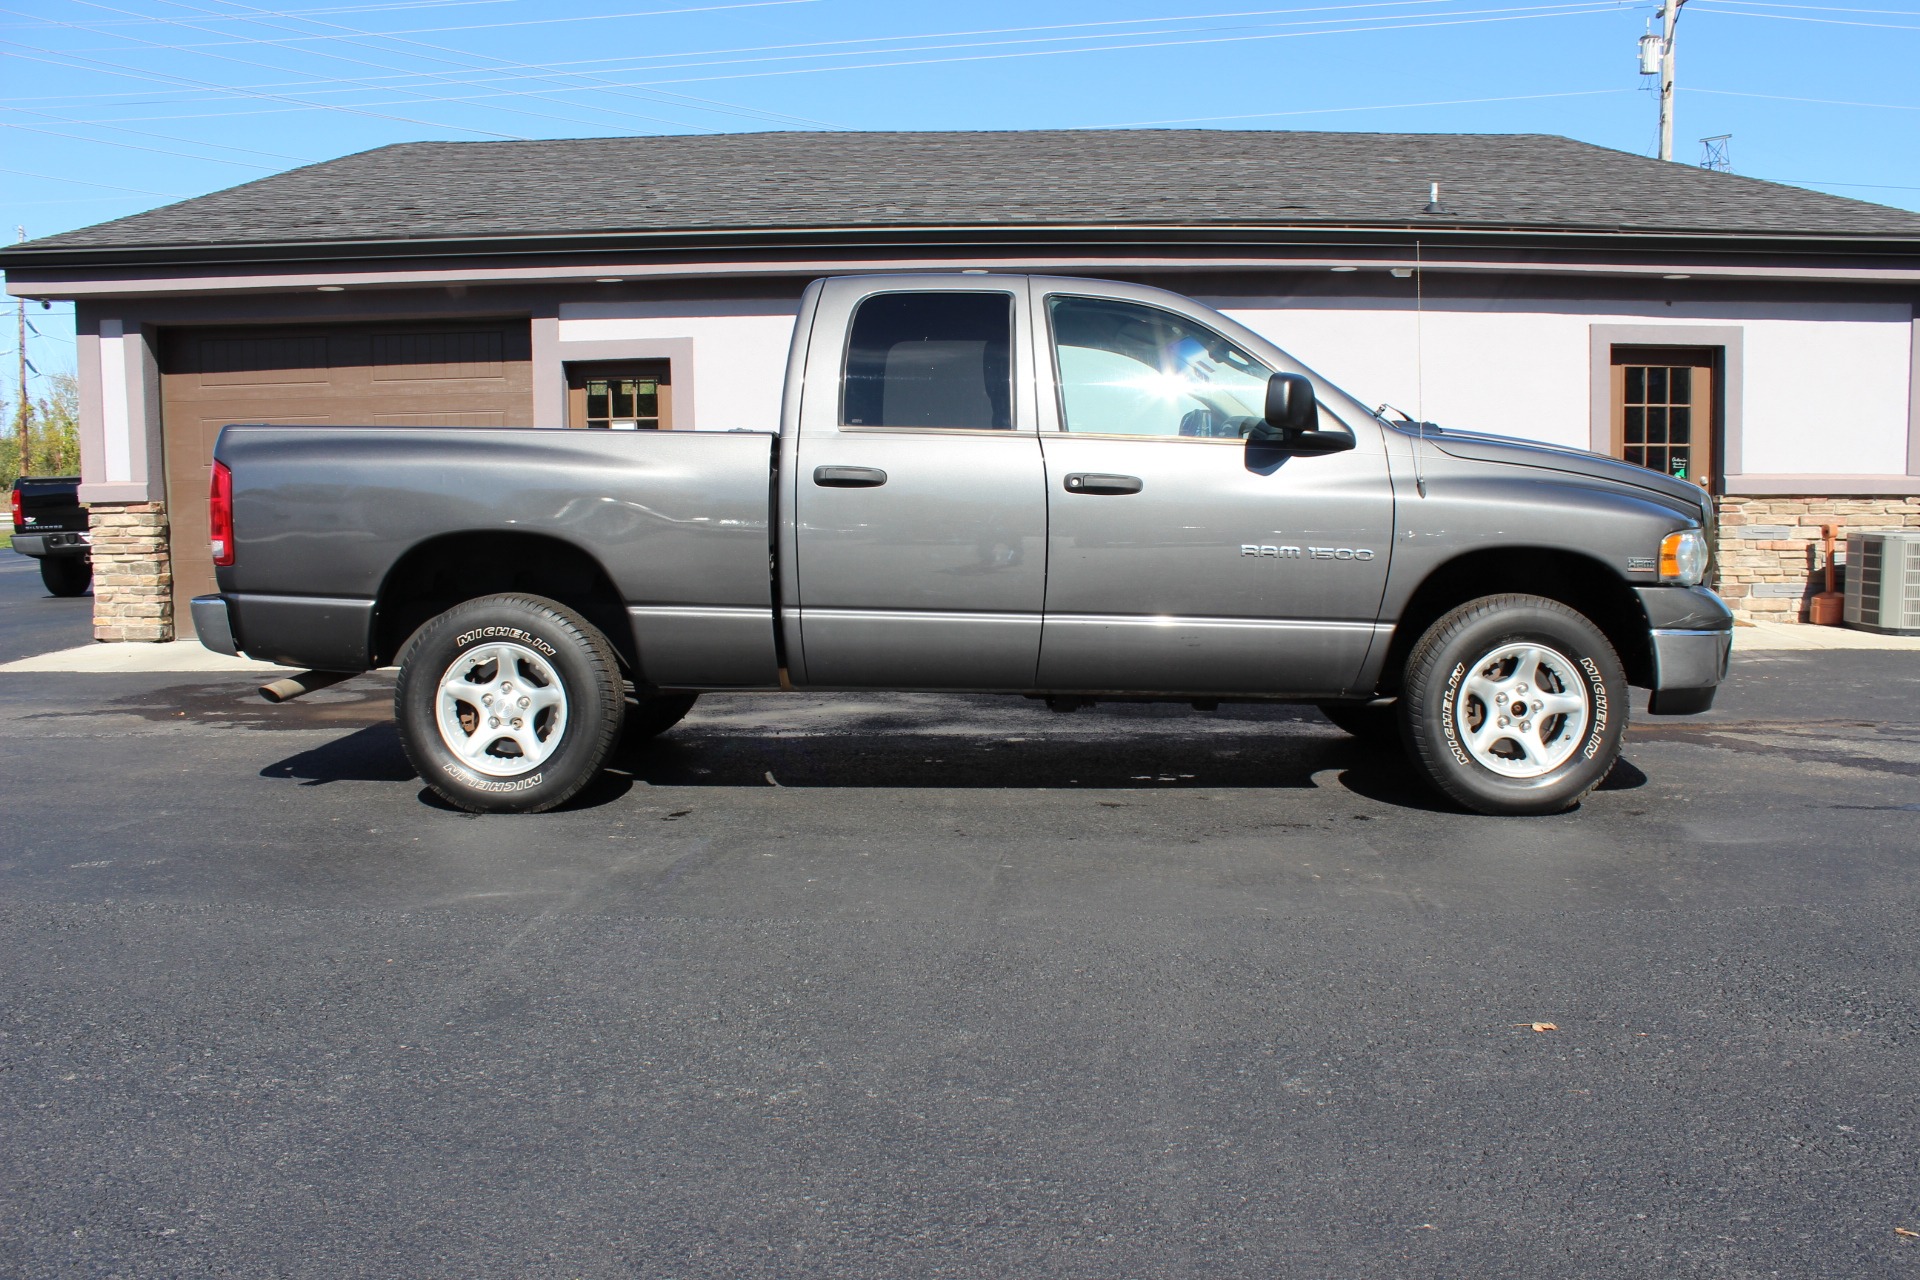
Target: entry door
column 1663, row 410
column 1182, row 558
column 921, row 512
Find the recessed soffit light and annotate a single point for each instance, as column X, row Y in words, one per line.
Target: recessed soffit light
column 610, row 280
column 1344, row 269
column 333, row 288
column 1678, row 275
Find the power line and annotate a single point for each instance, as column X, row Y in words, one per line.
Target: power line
column 1826, row 8
column 1384, row 106
column 1388, row 23
column 161, row 77
column 1824, row 22
column 482, row 26
column 1815, row 182
column 1574, row 9
column 1826, row 102
column 106, row 186
column 164, row 137
column 470, row 63
column 844, row 46
column 365, row 83
column 357, row 8
column 251, row 62
column 134, row 146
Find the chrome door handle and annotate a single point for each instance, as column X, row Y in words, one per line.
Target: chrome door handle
column 849, row 477
column 1094, row 482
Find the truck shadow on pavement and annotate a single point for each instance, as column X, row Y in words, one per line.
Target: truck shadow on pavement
column 1264, row 760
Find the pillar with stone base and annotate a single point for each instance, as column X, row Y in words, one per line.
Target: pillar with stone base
column 132, row 571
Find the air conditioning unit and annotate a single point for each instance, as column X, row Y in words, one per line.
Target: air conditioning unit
column 1883, row 581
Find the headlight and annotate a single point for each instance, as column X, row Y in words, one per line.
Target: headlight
column 1683, row 557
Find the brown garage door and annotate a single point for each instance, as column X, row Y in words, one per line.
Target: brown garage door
column 413, row 375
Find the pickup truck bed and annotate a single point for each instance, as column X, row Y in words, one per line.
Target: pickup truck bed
column 678, row 522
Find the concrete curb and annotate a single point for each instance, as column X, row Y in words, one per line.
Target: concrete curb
column 1784, row 636
column 134, row 657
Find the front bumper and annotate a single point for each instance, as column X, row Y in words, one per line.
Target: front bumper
column 213, row 626
column 1692, row 639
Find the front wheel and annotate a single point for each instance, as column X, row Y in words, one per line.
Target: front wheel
column 508, row 703
column 1515, row 705
column 66, row 575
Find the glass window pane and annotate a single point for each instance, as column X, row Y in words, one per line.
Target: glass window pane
column 1636, row 385
column 647, row 398
column 597, row 398
column 1656, row 386
column 622, row 398
column 1682, row 388
column 931, row 360
column 1636, row 425
column 1680, row 428
column 1129, row 369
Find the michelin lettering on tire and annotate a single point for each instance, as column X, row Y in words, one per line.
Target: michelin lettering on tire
column 1597, row 684
column 479, row 783
column 1454, row 677
column 503, row 633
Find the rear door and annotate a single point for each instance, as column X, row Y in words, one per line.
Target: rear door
column 1183, row 559
column 919, row 500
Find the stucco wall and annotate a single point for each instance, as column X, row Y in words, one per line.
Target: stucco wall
column 739, row 351
column 1825, row 386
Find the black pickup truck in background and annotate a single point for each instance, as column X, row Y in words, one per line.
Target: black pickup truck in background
column 50, row 525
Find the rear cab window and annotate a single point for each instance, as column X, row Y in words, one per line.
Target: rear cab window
column 920, row 361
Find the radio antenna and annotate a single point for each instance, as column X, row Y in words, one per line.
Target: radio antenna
column 1419, row 371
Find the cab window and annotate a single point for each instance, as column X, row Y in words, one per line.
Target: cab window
column 1133, row 370
column 940, row 360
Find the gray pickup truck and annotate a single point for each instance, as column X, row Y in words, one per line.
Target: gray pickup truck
column 1068, row 489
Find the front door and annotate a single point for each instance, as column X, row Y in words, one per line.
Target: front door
column 918, row 491
column 1182, row 558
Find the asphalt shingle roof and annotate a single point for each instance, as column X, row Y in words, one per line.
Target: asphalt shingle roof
column 1138, row 178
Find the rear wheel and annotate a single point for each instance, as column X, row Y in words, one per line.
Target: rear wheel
column 508, row 704
column 1515, row 705
column 66, row 575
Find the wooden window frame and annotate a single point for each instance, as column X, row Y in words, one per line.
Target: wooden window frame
column 579, row 373
column 1707, row 438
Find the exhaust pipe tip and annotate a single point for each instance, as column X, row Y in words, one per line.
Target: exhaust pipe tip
column 291, row 687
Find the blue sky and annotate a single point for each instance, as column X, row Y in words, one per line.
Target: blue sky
column 114, row 106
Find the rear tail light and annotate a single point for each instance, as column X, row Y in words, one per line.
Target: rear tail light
column 19, row 516
column 220, row 514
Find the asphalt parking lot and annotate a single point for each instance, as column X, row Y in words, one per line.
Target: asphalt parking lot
column 948, row 986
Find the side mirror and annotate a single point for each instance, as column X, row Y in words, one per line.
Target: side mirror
column 1290, row 405
column 1293, row 419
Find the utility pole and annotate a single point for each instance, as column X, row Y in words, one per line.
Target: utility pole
column 21, row 411
column 1669, row 17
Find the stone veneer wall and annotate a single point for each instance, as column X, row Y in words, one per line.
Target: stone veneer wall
column 132, row 571
column 1769, row 556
